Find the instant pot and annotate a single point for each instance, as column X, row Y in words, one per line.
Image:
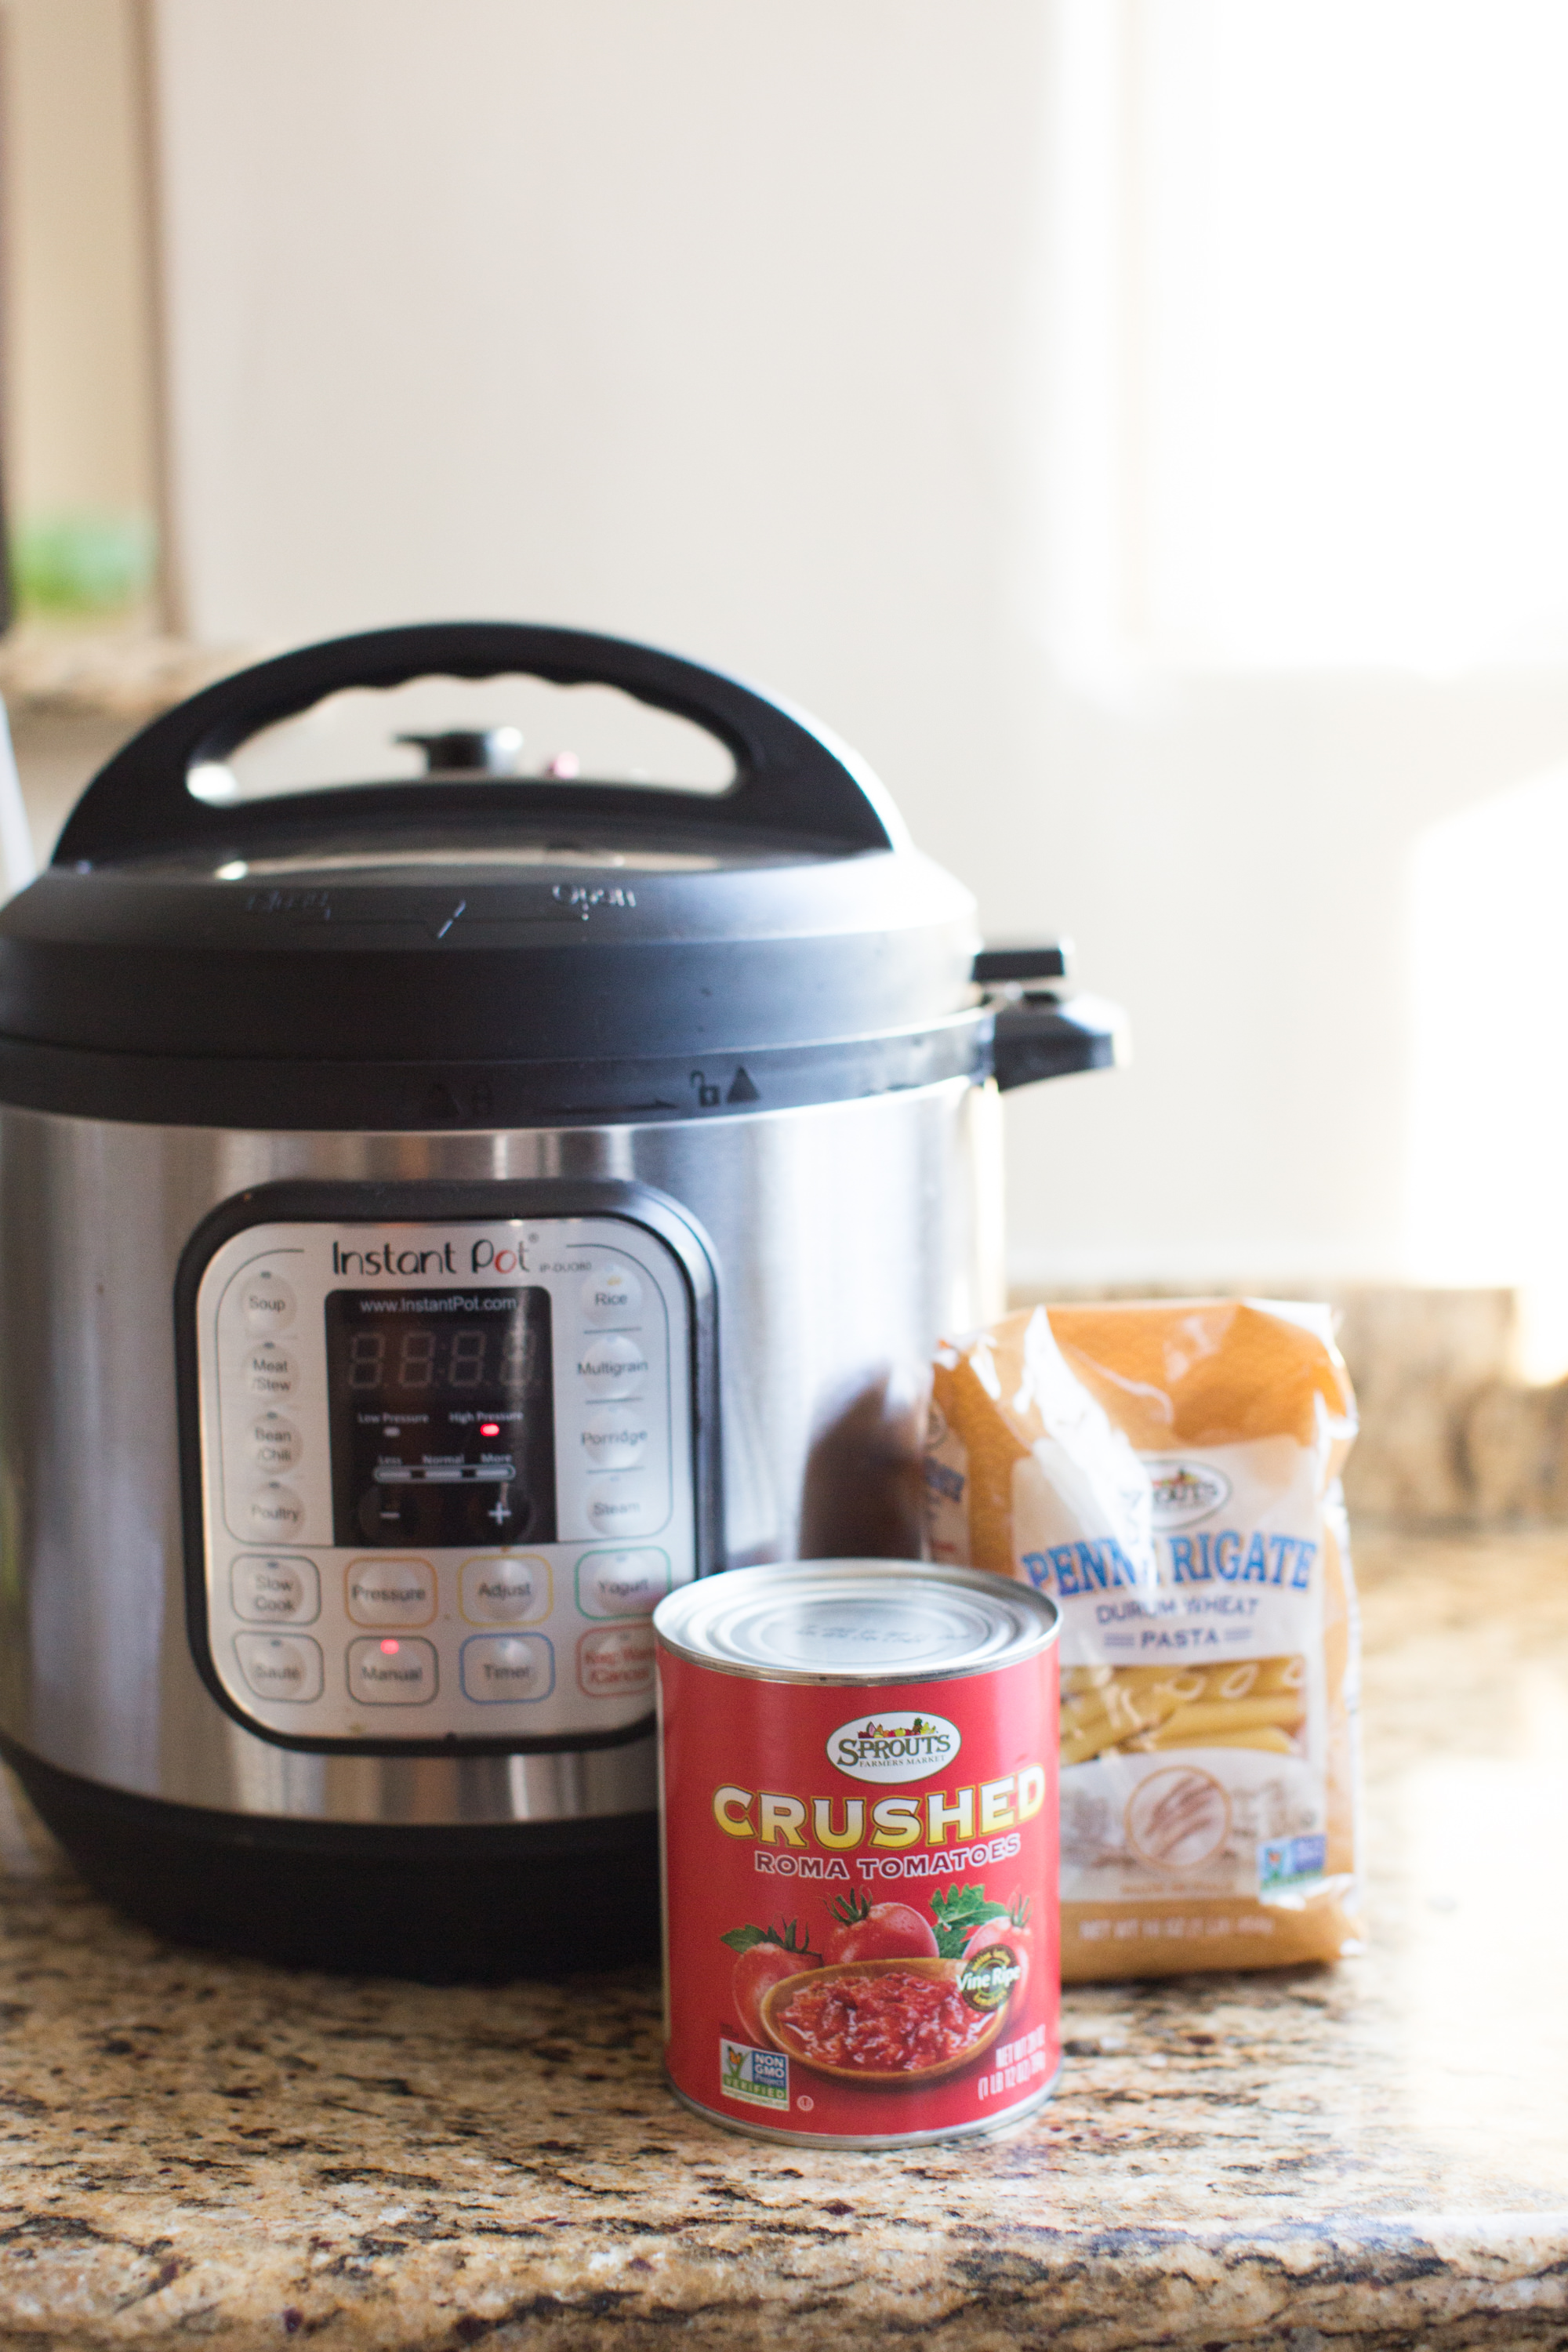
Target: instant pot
column 437, row 1218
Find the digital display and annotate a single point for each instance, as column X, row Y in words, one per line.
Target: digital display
column 442, row 1429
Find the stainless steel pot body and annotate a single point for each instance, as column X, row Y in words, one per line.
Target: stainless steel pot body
column 845, row 1238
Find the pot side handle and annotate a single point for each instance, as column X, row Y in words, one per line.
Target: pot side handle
column 793, row 781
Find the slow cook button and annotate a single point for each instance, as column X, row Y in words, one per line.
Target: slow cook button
column 388, row 1673
column 508, row 1669
column 624, row 1507
column 280, row 1666
column 275, row 1511
column 621, row 1583
column 611, row 1367
column 505, row 1591
column 266, row 1302
column 268, row 1372
column 271, row 1591
column 274, row 1442
column 615, row 1437
column 616, row 1661
column 390, row 1591
column 611, row 1295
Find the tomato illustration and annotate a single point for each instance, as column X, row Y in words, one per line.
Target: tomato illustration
column 878, row 1931
column 767, row 1954
column 1015, row 1933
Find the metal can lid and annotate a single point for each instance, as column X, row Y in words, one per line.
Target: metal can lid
column 856, row 1620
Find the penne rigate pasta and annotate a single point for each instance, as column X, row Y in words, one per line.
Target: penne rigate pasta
column 1245, row 1703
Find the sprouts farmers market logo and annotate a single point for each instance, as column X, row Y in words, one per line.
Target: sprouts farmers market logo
column 885, row 1747
column 1184, row 1490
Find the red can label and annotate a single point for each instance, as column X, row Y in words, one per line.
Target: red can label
column 860, row 1899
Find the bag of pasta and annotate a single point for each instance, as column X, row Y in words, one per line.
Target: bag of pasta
column 1169, row 1473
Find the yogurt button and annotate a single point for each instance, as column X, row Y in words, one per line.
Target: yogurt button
column 274, row 1442
column 391, row 1673
column 505, row 1591
column 390, row 1591
column 508, row 1669
column 621, row 1583
column 270, row 1589
column 615, row 1437
column 611, row 1295
column 611, row 1367
column 268, row 1371
column 280, row 1666
column 275, row 1511
column 266, row 1302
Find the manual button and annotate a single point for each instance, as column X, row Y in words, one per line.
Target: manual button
column 280, row 1666
column 390, row 1673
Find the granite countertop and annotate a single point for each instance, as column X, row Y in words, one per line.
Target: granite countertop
column 1375, row 2152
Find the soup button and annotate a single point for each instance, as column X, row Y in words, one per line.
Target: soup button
column 621, row 1583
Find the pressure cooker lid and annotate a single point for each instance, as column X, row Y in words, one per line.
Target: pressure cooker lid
column 475, row 915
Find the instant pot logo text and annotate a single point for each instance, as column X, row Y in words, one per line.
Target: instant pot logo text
column 483, row 1256
column 933, row 1835
column 894, row 1747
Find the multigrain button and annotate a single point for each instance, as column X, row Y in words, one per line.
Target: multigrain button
column 615, row 1367
column 391, row 1671
column 621, row 1583
column 268, row 1372
column 280, row 1666
column 611, row 1295
column 275, row 1511
column 266, row 1302
column 390, row 1591
column 508, row 1590
column 615, row 1437
column 615, row 1662
column 508, row 1669
column 274, row 1442
column 270, row 1588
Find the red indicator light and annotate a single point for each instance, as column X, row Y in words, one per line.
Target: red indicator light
column 390, row 1649
column 490, row 1429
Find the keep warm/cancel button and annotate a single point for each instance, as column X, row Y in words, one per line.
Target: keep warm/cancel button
column 616, row 1661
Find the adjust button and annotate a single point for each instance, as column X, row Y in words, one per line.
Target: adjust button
column 508, row 1590
column 271, row 1590
column 621, row 1583
column 508, row 1669
column 280, row 1666
column 266, row 1302
column 615, row 1437
column 268, row 1371
column 611, row 1295
column 390, row 1672
column 390, row 1591
column 275, row 1511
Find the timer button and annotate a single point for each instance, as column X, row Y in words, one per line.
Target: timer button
column 275, row 1511
column 268, row 1371
column 615, row 1437
column 611, row 1295
column 612, row 1367
column 615, row 1662
column 508, row 1669
column 621, row 1583
column 390, row 1672
column 506, row 1592
column 390, row 1591
column 272, row 1591
column 274, row 1442
column 280, row 1666
column 266, row 1302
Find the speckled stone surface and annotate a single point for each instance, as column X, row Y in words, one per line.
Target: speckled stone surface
column 1373, row 2155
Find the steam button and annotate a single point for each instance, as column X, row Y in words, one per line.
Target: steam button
column 391, row 1673
column 266, row 1303
column 268, row 1371
column 624, row 1507
column 271, row 1590
column 611, row 1295
column 275, row 1511
column 280, row 1666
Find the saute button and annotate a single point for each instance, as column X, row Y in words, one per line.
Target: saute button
column 621, row 1583
column 266, row 1302
column 611, row 1294
column 623, row 1506
column 615, row 1437
column 280, row 1666
column 273, row 1591
column 615, row 1662
column 274, row 1442
column 275, row 1511
column 390, row 1673
column 268, row 1371
column 390, row 1591
column 612, row 1367
column 505, row 1591
column 508, row 1669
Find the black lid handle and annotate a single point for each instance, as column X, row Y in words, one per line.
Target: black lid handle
column 792, row 779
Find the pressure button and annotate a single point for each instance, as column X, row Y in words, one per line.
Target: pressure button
column 390, row 1591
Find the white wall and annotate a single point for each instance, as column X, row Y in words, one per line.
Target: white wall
column 728, row 323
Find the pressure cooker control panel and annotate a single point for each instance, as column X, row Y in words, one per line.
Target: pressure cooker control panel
column 445, row 1474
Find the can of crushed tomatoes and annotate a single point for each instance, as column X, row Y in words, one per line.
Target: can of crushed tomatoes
column 858, row 1816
